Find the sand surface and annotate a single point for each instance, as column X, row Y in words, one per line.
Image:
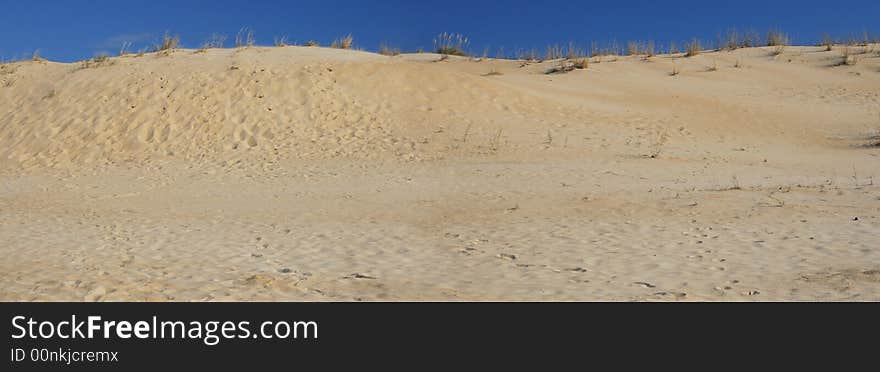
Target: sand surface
column 303, row 173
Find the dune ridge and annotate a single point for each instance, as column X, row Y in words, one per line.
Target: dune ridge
column 306, row 173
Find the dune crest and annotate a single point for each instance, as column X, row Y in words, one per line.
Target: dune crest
column 305, row 173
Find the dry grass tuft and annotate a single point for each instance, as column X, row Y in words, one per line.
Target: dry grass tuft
column 245, row 38
column 657, row 145
column 611, row 49
column 734, row 39
column 567, row 65
column 777, row 38
column 777, row 50
column 827, row 42
column 731, row 40
column 280, row 42
column 312, row 43
column 848, row 57
column 343, row 42
column 692, row 48
column 123, row 50
column 493, row 72
column 675, row 70
column 36, row 56
column 215, row 41
column 714, row 65
column 451, row 44
column 386, row 50
column 527, row 55
column 99, row 60
column 168, row 42
column 640, row 48
column 648, row 49
column 553, row 52
column 632, row 48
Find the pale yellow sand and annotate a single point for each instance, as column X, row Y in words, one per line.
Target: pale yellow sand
column 317, row 174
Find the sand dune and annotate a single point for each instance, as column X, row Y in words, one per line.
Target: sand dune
column 302, row 173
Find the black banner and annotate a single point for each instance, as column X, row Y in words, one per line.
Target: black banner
column 150, row 336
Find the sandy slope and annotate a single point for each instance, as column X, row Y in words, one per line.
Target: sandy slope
column 318, row 174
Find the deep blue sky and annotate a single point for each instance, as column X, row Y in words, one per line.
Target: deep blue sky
column 65, row 30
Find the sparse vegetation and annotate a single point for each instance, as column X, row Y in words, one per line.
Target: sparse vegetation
column 778, row 50
column 386, row 50
column 245, row 38
column 495, row 143
column 451, row 44
column 648, row 50
column 827, row 42
column 99, row 60
column 734, row 39
column 36, row 56
column 312, row 43
column 280, row 42
column 611, row 49
column 750, row 39
column 776, row 38
column 673, row 48
column 123, row 50
column 567, row 65
column 493, row 72
column 657, row 144
column 216, row 41
column 168, row 42
column 734, row 184
column 632, row 48
column 848, row 57
column 485, row 54
column 553, row 52
column 640, row 48
column 527, row 55
column 343, row 42
column 692, row 48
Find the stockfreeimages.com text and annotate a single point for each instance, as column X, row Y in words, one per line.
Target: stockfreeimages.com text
column 209, row 332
